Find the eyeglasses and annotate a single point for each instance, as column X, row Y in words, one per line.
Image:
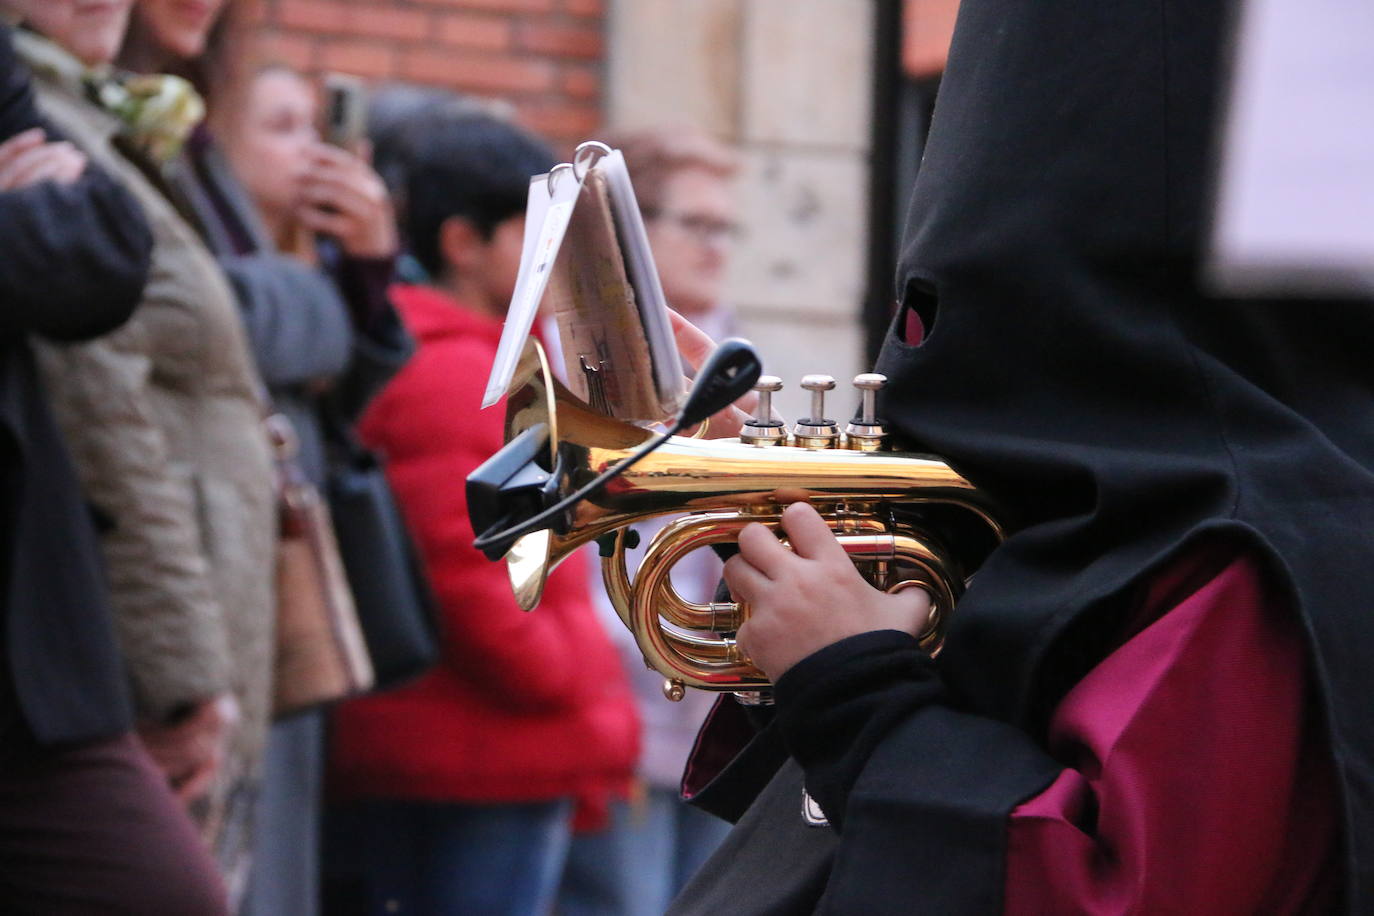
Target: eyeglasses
column 704, row 229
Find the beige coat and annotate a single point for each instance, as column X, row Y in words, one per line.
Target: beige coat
column 163, row 417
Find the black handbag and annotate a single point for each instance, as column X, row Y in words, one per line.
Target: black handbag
column 396, row 607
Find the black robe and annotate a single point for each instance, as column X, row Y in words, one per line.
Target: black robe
column 1076, row 368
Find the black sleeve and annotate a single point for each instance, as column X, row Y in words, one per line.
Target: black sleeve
column 363, row 282
column 378, row 354
column 17, row 109
column 903, row 777
column 75, row 256
column 836, row 705
column 381, row 344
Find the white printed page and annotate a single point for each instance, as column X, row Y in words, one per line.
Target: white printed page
column 1295, row 202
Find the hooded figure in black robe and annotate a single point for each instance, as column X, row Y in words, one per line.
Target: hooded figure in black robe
column 1075, row 367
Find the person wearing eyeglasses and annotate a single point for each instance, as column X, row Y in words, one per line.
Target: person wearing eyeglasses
column 684, row 184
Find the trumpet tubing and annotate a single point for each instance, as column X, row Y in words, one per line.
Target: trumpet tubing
column 691, row 644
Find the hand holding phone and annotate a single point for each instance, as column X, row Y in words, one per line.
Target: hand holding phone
column 342, row 197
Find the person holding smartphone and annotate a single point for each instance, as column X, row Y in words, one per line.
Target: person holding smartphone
column 306, row 232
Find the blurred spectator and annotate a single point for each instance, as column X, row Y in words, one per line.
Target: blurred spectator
column 340, row 337
column 459, row 790
column 323, row 341
column 684, row 182
column 87, row 822
column 165, row 422
column 653, row 844
column 391, row 108
column 319, row 350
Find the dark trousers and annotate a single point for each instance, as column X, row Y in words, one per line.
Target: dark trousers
column 93, row 828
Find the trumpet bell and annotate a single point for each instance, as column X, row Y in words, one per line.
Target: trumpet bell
column 538, row 406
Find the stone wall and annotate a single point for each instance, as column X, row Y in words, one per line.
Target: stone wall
column 788, row 82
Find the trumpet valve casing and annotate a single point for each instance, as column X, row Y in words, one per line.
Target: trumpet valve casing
column 816, row 431
column 761, row 429
column 865, row 433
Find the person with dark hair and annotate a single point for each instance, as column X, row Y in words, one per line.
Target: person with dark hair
column 87, row 822
column 391, row 109
column 455, row 794
column 466, row 182
column 1154, row 695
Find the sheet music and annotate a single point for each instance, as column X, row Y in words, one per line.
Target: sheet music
column 1295, row 203
column 585, row 248
column 639, row 259
column 546, row 221
column 609, row 364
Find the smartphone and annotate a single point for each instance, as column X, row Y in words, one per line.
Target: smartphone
column 345, row 111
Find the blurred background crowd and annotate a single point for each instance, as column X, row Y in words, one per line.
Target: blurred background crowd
column 257, row 258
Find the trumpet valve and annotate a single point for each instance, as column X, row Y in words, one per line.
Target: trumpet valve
column 865, row 433
column 762, row 429
column 816, row 431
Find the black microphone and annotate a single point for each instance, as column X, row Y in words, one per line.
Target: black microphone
column 731, row 370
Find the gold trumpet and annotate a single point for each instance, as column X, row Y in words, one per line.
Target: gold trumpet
column 906, row 519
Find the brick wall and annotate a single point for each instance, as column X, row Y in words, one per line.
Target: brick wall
column 543, row 56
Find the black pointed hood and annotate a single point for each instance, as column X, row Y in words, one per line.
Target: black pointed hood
column 1075, row 367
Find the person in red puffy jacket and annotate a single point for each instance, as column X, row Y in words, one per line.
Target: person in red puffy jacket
column 456, row 793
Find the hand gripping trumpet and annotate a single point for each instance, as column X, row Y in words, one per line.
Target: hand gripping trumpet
column 569, row 475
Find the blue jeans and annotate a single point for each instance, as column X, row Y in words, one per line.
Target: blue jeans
column 637, row 865
column 403, row 858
